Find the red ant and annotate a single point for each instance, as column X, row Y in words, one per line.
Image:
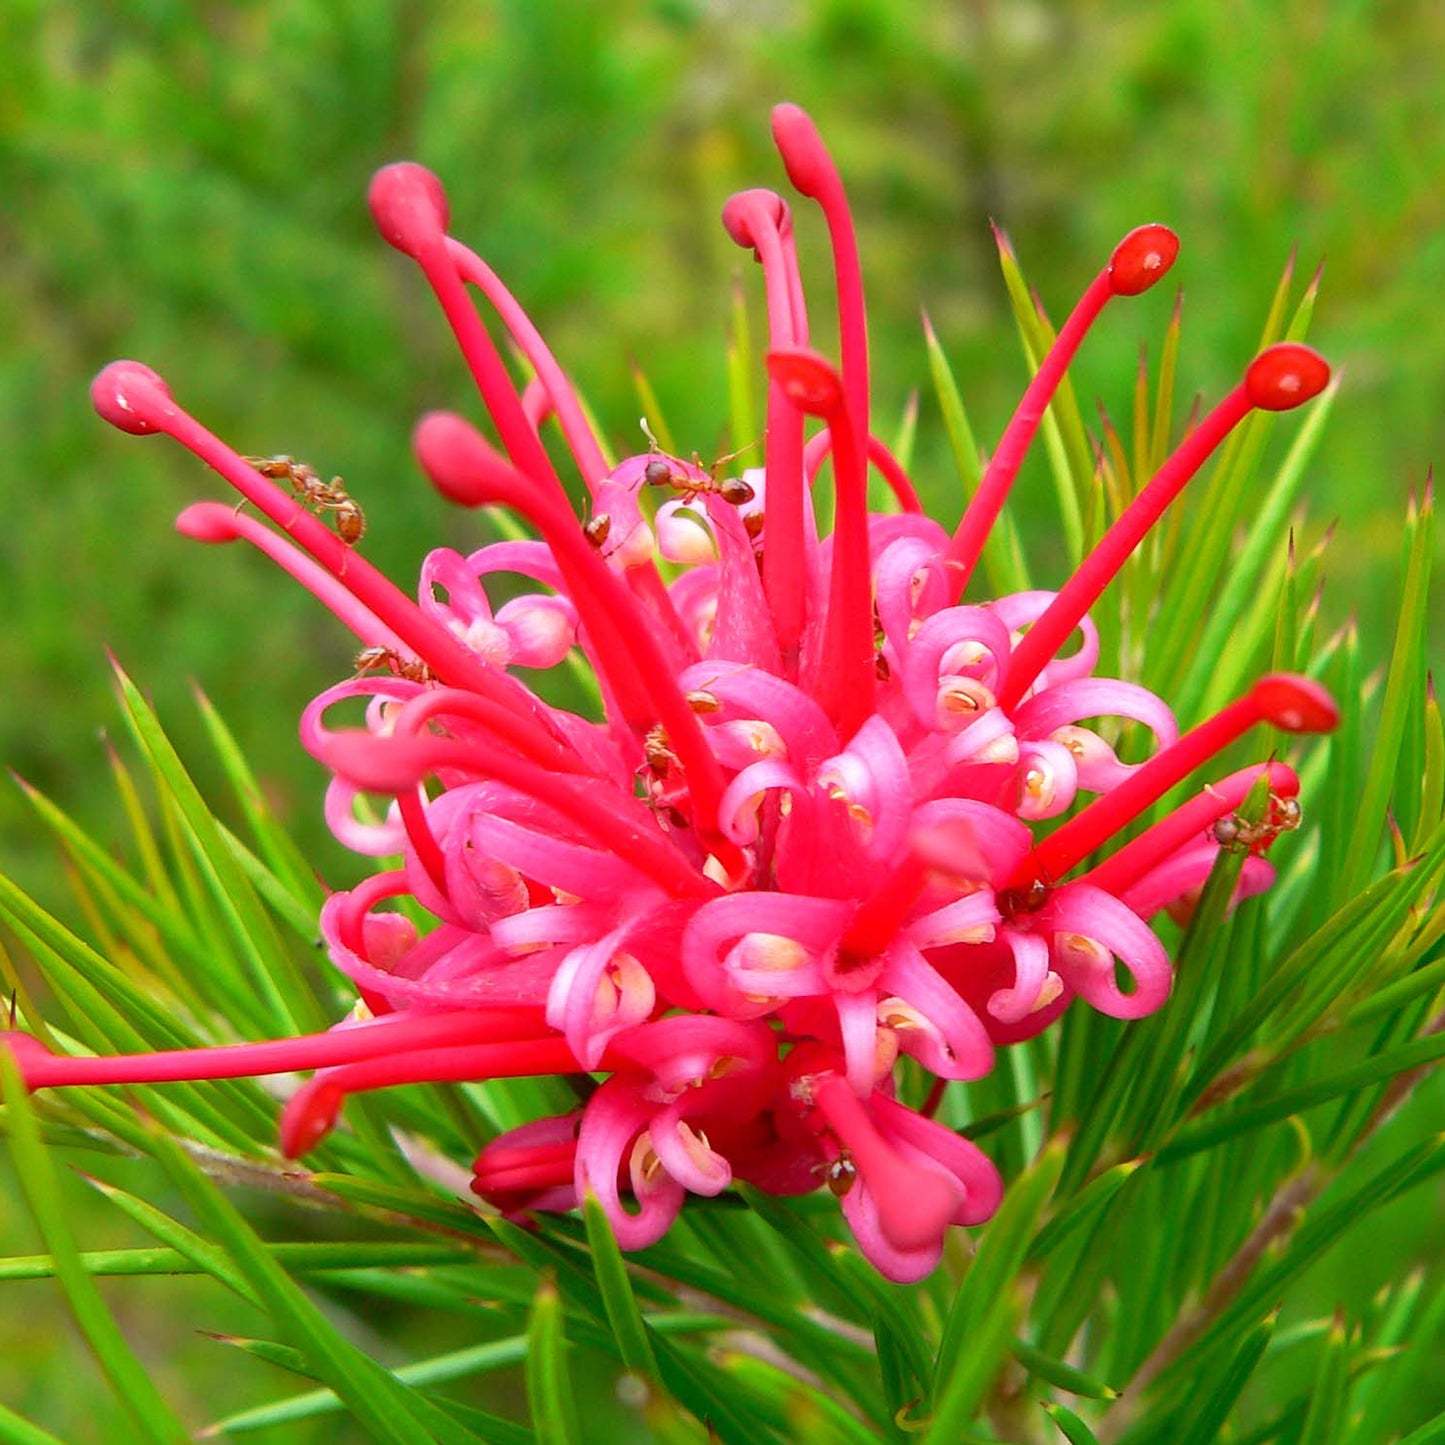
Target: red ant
column 320, row 496
column 413, row 669
column 659, row 473
column 1239, row 835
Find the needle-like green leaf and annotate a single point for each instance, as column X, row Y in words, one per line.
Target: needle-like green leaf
column 980, row 1328
column 628, row 1327
column 150, row 1415
column 549, row 1384
column 383, row 1406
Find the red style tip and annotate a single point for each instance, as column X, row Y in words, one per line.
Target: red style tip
column 748, row 213
column 808, row 380
column 457, row 458
column 1295, row 704
column 131, row 396
column 1143, row 257
column 309, row 1116
column 801, row 147
column 208, row 522
column 1283, row 377
column 409, row 207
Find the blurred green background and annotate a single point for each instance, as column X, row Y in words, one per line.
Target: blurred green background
column 184, row 183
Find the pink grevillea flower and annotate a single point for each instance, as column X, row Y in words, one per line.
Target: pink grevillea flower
column 798, row 846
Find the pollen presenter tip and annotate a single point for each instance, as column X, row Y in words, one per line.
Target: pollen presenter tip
column 807, row 379
column 409, row 207
column 456, row 458
column 130, row 396
column 747, row 212
column 208, row 522
column 801, row 148
column 1143, row 257
column 1296, row 704
column 1286, row 376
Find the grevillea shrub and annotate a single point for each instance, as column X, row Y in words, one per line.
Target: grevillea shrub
column 813, row 831
column 839, row 831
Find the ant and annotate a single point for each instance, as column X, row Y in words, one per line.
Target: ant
column 700, row 700
column 838, row 1174
column 598, row 530
column 320, row 496
column 659, row 473
column 657, row 752
column 1028, row 899
column 1239, row 835
column 413, row 669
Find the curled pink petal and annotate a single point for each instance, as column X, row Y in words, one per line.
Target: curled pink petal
column 1091, row 928
column 614, row 1138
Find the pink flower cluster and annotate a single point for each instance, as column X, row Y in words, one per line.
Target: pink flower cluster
column 799, row 844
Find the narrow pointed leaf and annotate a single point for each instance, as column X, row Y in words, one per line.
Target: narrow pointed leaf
column 1003, row 557
column 269, row 966
column 476, row 1359
column 1432, row 1432
column 1432, row 783
column 700, row 1386
column 1316, row 1091
column 549, row 1385
column 788, row 1404
column 980, row 1325
column 197, row 1252
column 15, row 1431
column 283, row 859
column 1070, row 1426
column 1241, row 582
column 1327, row 1401
column 905, row 438
column 1212, row 1410
column 652, row 410
column 1067, row 442
column 1164, row 388
column 628, row 1326
column 1063, row 1376
column 1082, row 1209
column 159, row 910
column 382, row 1405
column 1404, row 690
column 157, row 879
column 282, row 1356
column 150, row 1415
column 1324, row 1225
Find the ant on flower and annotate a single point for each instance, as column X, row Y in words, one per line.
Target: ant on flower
column 413, row 669
column 659, row 473
column 838, row 1174
column 598, row 529
column 320, row 496
column 1028, row 898
column 1239, row 835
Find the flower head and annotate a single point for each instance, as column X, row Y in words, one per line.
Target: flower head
column 798, row 842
